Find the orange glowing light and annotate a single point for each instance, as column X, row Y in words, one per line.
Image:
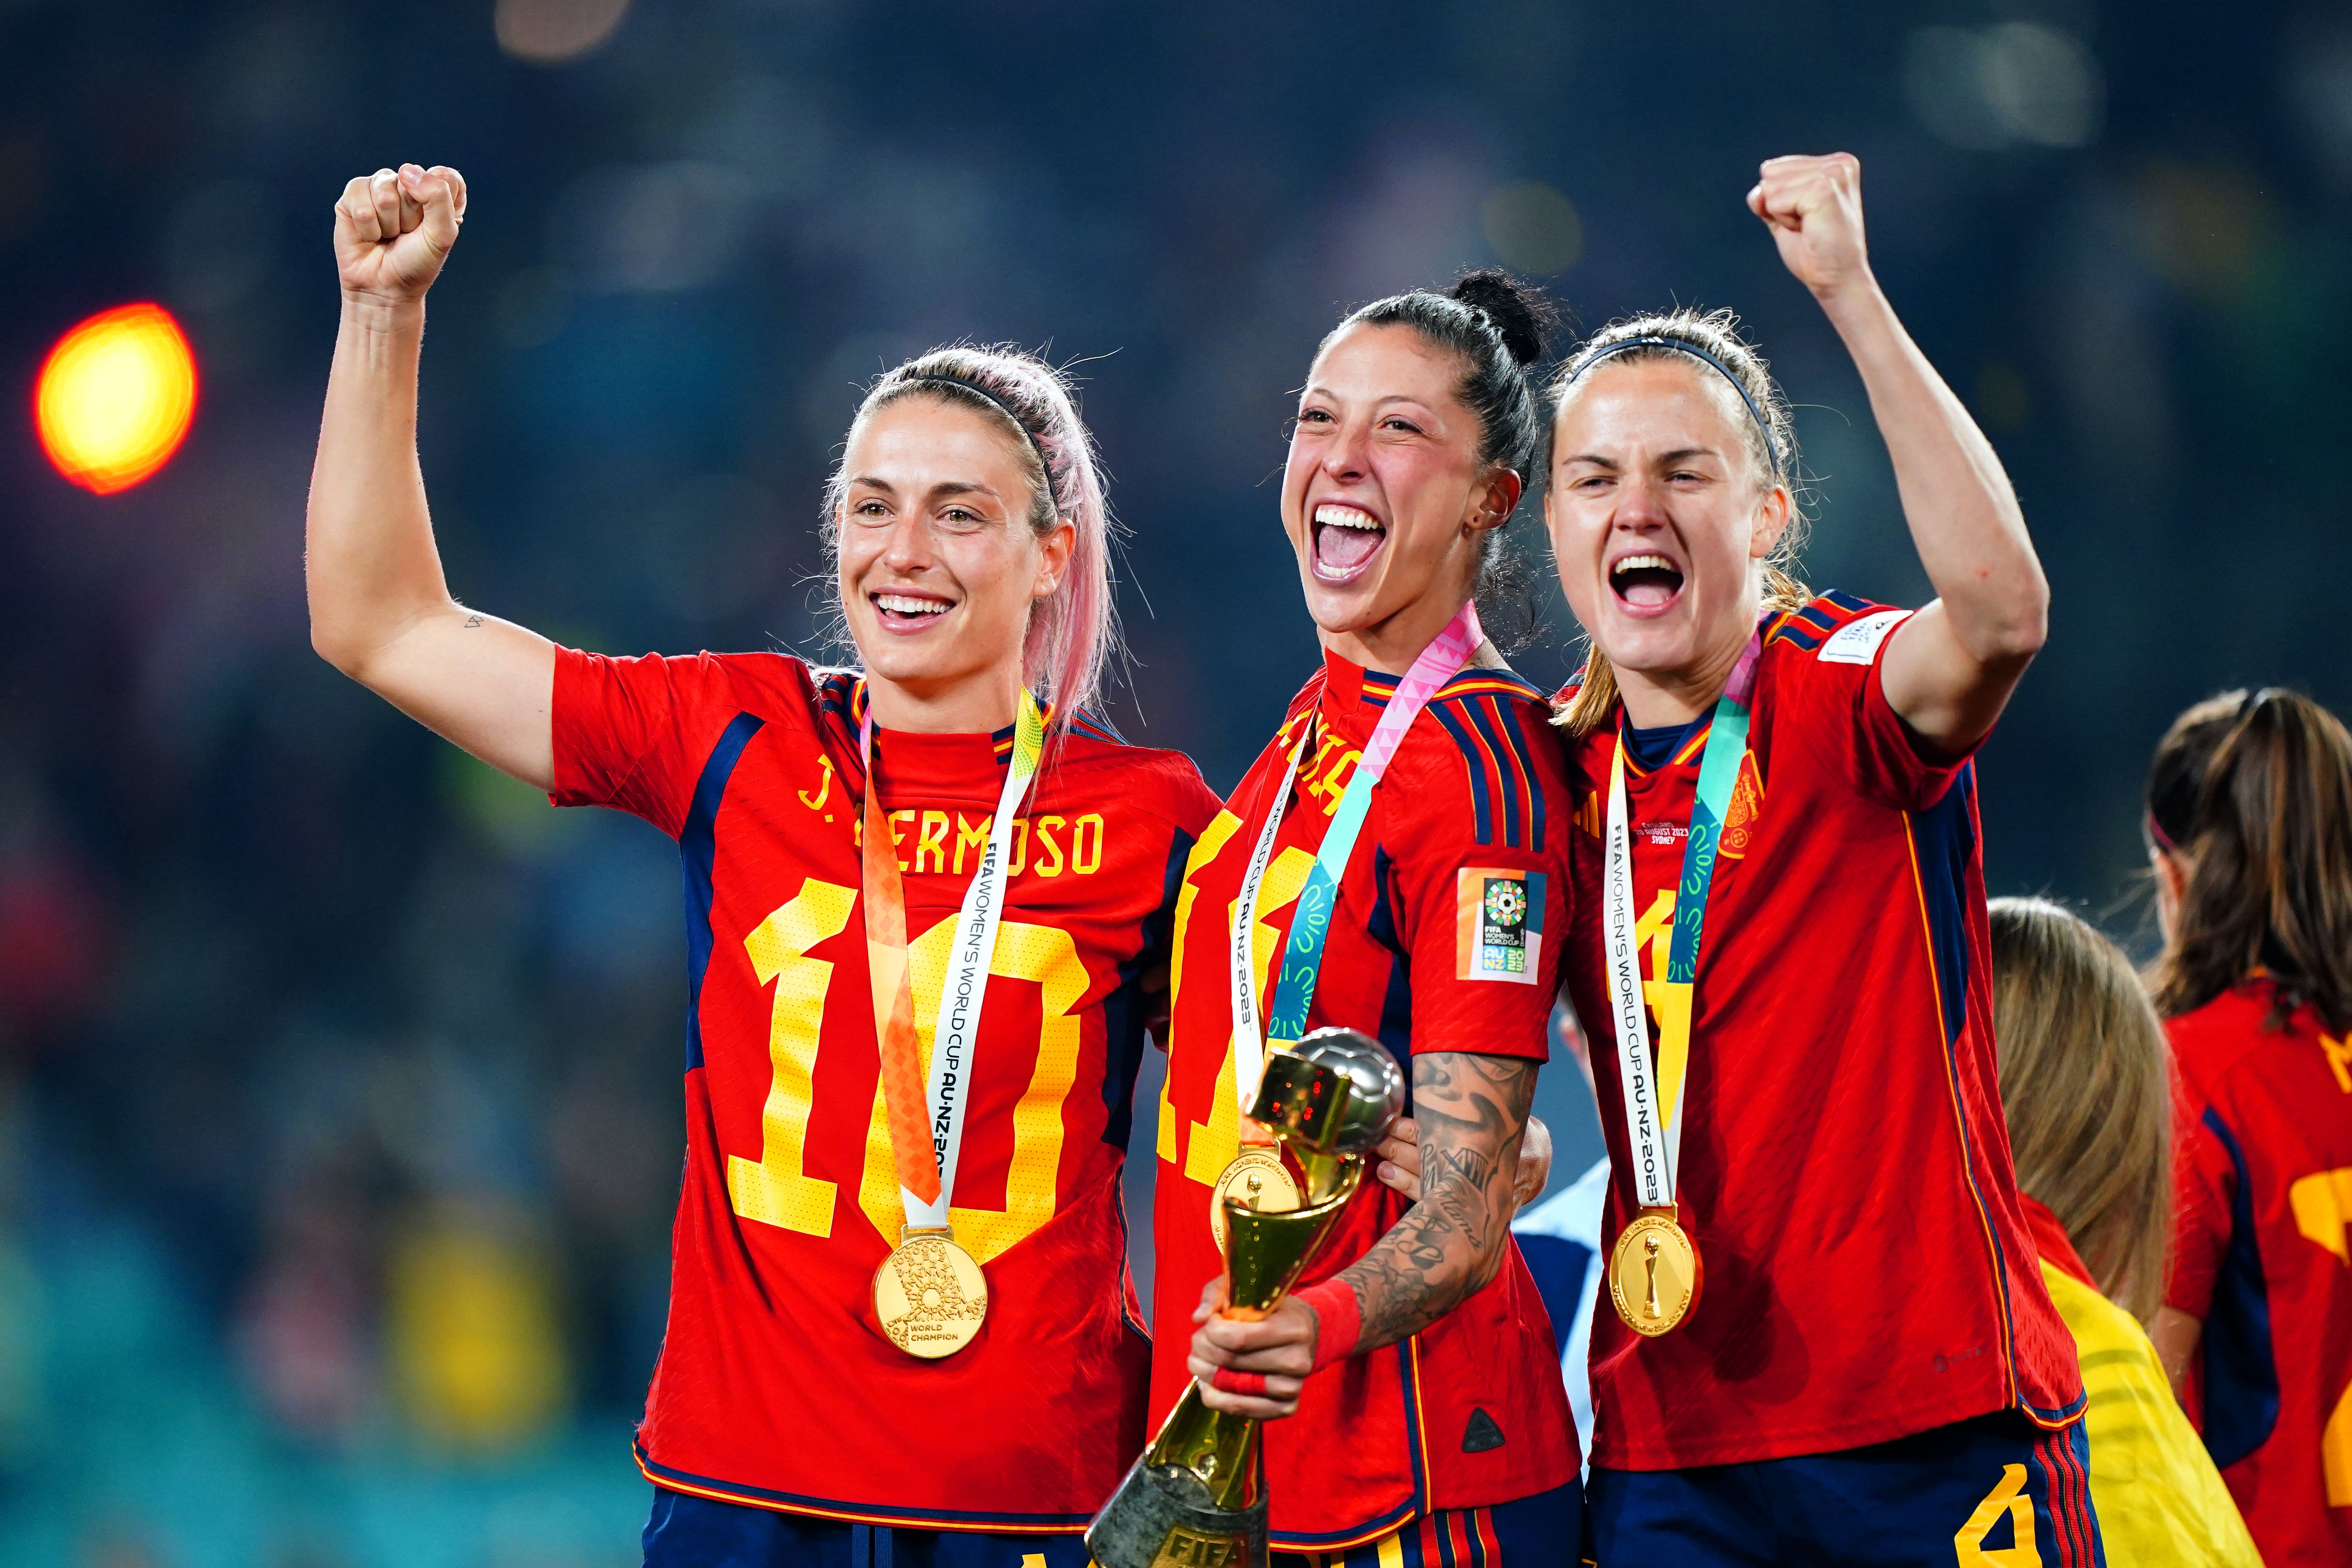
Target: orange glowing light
column 115, row 398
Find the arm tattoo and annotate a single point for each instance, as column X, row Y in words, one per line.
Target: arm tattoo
column 1473, row 1112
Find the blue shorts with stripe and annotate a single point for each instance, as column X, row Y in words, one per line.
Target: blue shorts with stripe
column 1993, row 1492
column 688, row 1531
column 1538, row 1532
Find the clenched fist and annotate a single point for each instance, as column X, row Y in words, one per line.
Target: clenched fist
column 1813, row 207
column 394, row 228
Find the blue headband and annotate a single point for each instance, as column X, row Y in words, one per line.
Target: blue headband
column 1763, row 426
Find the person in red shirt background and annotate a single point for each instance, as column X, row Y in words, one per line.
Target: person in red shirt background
column 800, row 1412
column 1779, row 877
column 1427, row 1424
column 2250, row 829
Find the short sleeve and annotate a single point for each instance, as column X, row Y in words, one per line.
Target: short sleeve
column 1843, row 718
column 1481, row 924
column 631, row 733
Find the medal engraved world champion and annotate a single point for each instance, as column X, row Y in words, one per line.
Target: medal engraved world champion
column 1653, row 1274
column 929, row 1296
column 1256, row 1179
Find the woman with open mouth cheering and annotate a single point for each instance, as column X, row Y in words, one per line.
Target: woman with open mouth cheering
column 1393, row 862
column 1827, row 1339
column 917, row 958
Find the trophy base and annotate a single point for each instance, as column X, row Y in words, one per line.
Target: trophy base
column 1161, row 1517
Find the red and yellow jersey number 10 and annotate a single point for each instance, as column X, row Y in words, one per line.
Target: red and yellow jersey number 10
column 777, row 1188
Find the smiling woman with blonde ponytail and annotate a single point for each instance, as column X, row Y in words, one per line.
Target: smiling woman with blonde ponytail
column 927, row 902
column 1824, row 1336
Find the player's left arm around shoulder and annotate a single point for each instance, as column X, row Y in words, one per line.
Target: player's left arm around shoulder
column 1472, row 1113
column 1949, row 670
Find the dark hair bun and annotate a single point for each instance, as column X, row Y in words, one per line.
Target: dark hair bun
column 1522, row 314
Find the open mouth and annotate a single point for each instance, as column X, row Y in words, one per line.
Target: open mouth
column 1645, row 582
column 1345, row 539
column 906, row 612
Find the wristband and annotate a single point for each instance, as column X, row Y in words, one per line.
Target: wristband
column 1232, row 1382
column 1337, row 1320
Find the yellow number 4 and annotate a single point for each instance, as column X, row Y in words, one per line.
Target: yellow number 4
column 2008, row 1498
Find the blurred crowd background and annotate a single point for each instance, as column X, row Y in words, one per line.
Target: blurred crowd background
column 339, row 1106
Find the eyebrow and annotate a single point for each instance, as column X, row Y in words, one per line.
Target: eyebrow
column 1676, row 456
column 939, row 492
column 1381, row 402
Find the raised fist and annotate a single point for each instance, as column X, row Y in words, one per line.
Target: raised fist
column 1813, row 207
column 394, row 228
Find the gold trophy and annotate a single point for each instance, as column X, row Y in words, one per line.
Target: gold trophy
column 1197, row 1498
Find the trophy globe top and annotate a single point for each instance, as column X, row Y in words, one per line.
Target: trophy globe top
column 1333, row 1093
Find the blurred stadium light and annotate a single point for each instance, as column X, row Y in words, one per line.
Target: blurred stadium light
column 2012, row 84
column 1533, row 228
column 115, row 398
column 549, row 32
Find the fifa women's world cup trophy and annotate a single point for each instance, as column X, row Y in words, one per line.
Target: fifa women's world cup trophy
column 1197, row 1498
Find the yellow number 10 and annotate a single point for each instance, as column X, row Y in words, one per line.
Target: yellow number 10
column 777, row 1190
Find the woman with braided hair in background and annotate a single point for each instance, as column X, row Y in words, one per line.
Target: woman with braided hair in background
column 2249, row 837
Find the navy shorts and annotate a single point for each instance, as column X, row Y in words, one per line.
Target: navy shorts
column 1994, row 1492
column 1538, row 1532
column 687, row 1531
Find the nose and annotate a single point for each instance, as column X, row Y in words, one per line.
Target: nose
column 1641, row 505
column 908, row 547
column 1348, row 454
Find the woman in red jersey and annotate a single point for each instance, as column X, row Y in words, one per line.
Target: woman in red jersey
column 2250, row 824
column 1411, row 796
column 899, row 1316
column 1825, row 1337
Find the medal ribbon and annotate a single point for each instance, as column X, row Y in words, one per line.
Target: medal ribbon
column 925, row 1154
column 1302, row 958
column 1654, row 1092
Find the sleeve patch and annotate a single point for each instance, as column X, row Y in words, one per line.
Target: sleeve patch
column 1856, row 642
column 1498, row 926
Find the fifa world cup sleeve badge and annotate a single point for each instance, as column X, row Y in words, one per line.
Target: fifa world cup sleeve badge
column 1499, row 923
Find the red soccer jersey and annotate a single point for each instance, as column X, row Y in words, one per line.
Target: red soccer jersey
column 2262, row 1257
column 776, row 1386
column 1845, row 1168
column 1471, row 1411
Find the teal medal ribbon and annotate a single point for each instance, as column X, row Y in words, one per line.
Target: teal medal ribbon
column 1654, row 1089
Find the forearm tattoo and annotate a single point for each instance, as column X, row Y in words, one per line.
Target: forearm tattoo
column 1473, row 1112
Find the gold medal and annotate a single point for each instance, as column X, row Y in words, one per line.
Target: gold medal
column 929, row 1295
column 1257, row 1179
column 1653, row 1274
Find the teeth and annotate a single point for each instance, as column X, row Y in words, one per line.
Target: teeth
column 1333, row 515
column 1640, row 562
column 904, row 605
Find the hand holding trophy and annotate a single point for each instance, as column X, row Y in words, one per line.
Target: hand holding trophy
column 1197, row 1497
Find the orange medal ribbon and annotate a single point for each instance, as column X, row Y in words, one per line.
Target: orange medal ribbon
column 894, row 995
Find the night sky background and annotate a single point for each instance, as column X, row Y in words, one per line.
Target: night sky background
column 310, row 1027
